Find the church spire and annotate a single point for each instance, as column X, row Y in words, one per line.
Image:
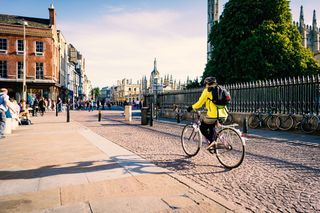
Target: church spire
column 314, row 21
column 155, row 64
column 301, row 19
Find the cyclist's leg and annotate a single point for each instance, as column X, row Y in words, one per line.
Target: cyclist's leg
column 204, row 128
column 207, row 128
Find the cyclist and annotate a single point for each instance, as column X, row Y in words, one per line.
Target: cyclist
column 214, row 112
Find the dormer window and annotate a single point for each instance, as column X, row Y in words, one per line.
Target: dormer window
column 39, row 48
column 3, row 45
column 20, row 47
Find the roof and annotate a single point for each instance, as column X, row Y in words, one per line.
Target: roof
column 17, row 20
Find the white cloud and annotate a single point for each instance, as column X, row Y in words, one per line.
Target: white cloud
column 123, row 45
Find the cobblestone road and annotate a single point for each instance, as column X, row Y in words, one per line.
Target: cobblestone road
column 274, row 177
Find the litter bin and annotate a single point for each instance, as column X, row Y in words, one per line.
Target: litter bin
column 144, row 115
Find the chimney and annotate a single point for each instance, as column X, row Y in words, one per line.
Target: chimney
column 52, row 15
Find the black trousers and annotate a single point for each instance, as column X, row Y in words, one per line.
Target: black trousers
column 208, row 130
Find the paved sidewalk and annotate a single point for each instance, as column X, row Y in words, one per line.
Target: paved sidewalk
column 54, row 166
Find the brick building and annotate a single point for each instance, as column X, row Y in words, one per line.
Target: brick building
column 42, row 55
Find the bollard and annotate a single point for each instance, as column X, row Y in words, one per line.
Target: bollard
column 68, row 113
column 56, row 110
column 151, row 115
column 128, row 113
column 99, row 116
column 178, row 117
column 245, row 125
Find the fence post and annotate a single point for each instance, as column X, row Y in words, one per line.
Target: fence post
column 151, row 114
column 68, row 112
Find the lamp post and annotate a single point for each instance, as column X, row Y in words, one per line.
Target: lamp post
column 24, row 88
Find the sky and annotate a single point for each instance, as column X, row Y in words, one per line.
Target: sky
column 121, row 38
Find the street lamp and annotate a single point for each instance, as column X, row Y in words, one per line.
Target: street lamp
column 24, row 88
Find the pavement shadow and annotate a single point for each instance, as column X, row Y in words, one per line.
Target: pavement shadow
column 129, row 162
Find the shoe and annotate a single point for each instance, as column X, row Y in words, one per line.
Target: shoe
column 2, row 136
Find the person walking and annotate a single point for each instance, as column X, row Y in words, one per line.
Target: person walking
column 42, row 106
column 5, row 105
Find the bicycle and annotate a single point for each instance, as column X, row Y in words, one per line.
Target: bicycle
column 228, row 144
column 258, row 119
column 308, row 124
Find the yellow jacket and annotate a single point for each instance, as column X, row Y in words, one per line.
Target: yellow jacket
column 206, row 98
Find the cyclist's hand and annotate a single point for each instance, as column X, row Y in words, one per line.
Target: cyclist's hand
column 189, row 109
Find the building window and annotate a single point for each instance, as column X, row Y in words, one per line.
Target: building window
column 20, row 47
column 39, row 48
column 3, row 45
column 39, row 70
column 20, row 69
column 129, row 89
column 3, row 69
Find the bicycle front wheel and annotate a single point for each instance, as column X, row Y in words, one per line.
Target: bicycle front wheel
column 310, row 124
column 230, row 148
column 191, row 140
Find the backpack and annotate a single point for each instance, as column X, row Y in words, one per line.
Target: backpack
column 220, row 96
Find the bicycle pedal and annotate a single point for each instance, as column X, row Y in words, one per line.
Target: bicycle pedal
column 211, row 146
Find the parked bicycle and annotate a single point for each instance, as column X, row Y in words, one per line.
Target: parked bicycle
column 308, row 124
column 228, row 144
column 260, row 119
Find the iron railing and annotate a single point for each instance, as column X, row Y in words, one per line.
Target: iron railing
column 288, row 95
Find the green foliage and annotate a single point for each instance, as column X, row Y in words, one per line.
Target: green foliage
column 255, row 40
column 193, row 84
column 95, row 93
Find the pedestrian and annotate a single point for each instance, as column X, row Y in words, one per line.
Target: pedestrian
column 42, row 106
column 98, row 104
column 59, row 105
column 5, row 105
column 23, row 109
column 49, row 104
column 53, row 105
column 35, row 106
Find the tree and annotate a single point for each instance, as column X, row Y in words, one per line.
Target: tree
column 95, row 93
column 193, row 84
column 255, row 40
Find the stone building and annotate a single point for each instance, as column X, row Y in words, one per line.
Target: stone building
column 309, row 33
column 42, row 53
column 213, row 16
column 127, row 91
column 54, row 68
column 158, row 84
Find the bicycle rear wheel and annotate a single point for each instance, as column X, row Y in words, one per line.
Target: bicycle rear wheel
column 272, row 122
column 253, row 121
column 231, row 153
column 310, row 124
column 191, row 140
column 284, row 122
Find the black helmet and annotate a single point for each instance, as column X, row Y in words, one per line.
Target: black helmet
column 210, row 80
